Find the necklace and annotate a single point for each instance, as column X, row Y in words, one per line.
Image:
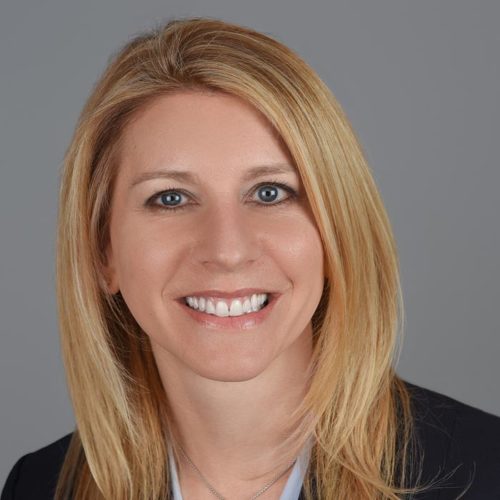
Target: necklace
column 218, row 495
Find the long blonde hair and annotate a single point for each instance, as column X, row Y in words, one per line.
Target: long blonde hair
column 356, row 408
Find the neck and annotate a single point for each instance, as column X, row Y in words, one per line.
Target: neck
column 231, row 430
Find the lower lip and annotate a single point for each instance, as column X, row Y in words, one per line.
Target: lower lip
column 243, row 322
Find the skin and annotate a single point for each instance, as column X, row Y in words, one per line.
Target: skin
column 230, row 391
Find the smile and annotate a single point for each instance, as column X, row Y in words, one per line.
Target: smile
column 237, row 321
column 223, row 308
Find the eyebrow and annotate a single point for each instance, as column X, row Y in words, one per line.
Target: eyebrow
column 191, row 178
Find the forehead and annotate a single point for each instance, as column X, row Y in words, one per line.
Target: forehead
column 193, row 128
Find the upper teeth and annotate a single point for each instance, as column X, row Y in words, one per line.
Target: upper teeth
column 221, row 307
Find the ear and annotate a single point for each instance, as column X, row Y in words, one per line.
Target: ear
column 108, row 272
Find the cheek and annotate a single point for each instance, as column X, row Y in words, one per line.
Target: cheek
column 149, row 254
column 143, row 250
column 298, row 242
column 301, row 254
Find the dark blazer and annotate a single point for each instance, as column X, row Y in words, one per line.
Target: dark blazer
column 451, row 433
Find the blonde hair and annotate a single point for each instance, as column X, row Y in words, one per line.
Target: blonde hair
column 356, row 408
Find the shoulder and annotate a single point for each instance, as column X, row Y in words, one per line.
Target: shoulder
column 35, row 474
column 460, row 444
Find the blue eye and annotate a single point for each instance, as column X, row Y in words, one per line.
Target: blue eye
column 269, row 191
column 168, row 200
column 169, row 197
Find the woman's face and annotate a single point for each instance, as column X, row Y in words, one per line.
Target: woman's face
column 230, row 230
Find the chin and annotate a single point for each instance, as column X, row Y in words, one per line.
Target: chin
column 229, row 377
column 221, row 362
column 223, row 371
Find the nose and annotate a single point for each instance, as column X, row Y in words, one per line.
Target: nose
column 229, row 239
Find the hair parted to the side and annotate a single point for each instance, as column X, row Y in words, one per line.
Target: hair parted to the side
column 356, row 407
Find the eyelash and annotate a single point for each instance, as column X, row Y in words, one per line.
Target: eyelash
column 291, row 192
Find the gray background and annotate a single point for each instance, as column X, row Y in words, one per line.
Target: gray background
column 418, row 80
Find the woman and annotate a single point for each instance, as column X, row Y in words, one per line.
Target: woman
column 229, row 295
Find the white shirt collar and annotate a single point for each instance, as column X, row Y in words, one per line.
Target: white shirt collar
column 292, row 488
